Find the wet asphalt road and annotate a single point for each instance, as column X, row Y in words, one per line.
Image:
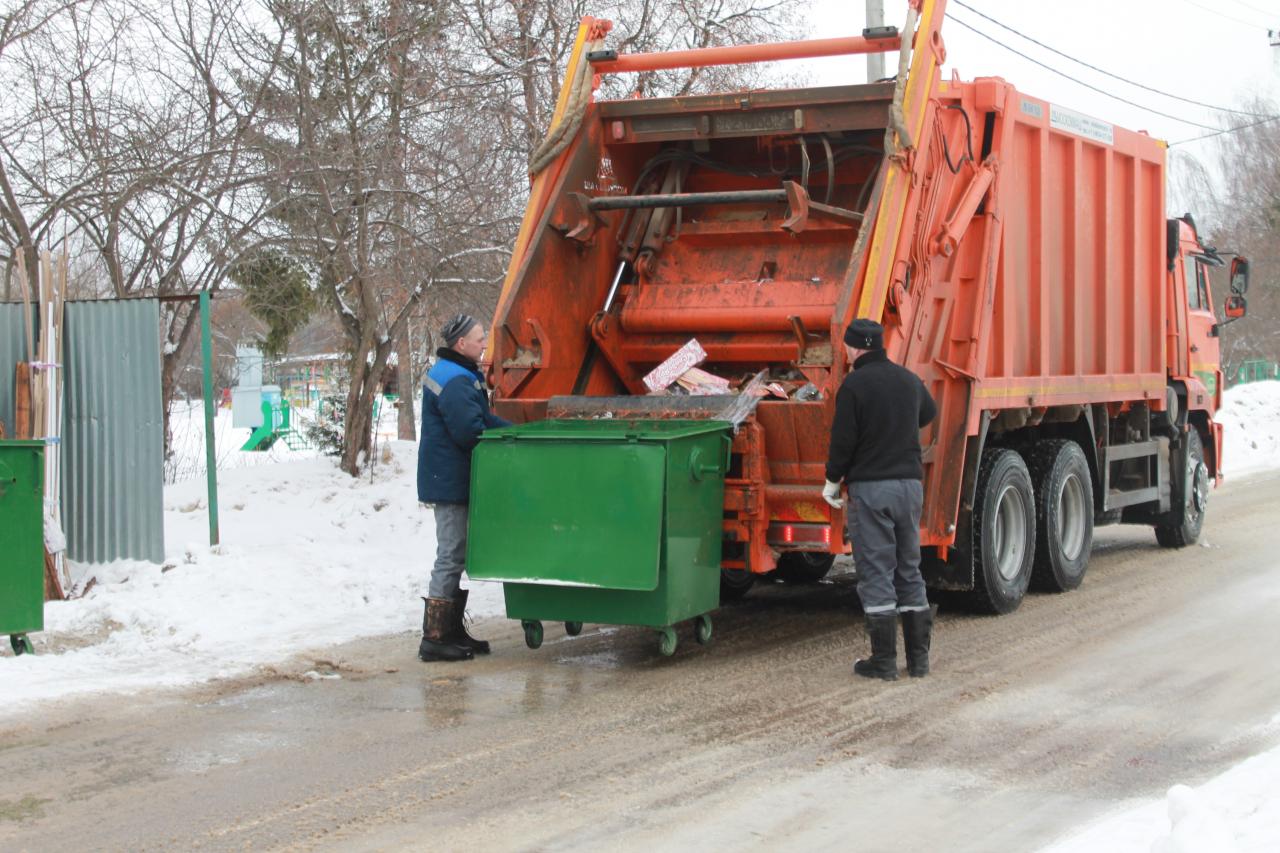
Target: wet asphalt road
column 1162, row 668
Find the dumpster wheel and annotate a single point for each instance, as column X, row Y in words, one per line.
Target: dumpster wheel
column 667, row 641
column 702, row 629
column 21, row 644
column 532, row 633
column 573, row 629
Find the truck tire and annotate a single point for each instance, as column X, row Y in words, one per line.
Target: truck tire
column 1064, row 514
column 1004, row 532
column 734, row 583
column 1182, row 525
column 801, row 567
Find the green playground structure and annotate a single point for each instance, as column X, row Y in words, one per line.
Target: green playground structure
column 276, row 426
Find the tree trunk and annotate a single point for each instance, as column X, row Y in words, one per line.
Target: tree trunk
column 170, row 364
column 404, row 384
column 357, row 428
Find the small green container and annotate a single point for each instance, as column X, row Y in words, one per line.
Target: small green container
column 21, row 541
column 601, row 521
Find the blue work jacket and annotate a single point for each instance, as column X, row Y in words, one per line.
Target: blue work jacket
column 455, row 410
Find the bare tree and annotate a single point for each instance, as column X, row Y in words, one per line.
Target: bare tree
column 383, row 173
column 1240, row 193
column 129, row 140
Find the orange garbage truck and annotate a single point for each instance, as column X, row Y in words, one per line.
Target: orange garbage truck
column 1016, row 252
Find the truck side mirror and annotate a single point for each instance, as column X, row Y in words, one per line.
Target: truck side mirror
column 1236, row 306
column 1239, row 276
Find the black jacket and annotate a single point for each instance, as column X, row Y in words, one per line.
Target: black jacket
column 880, row 409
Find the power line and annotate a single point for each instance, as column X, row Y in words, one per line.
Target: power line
column 1224, row 15
column 1050, row 68
column 1101, row 70
column 1225, row 130
column 1268, row 13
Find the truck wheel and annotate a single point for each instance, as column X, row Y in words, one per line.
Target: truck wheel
column 734, row 583
column 1182, row 527
column 804, row 566
column 1064, row 514
column 1004, row 532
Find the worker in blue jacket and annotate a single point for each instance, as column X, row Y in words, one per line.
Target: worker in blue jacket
column 455, row 410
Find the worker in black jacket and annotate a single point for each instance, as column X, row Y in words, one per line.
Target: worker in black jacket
column 875, row 449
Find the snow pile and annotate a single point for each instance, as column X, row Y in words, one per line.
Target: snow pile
column 1237, row 812
column 1250, row 417
column 311, row 558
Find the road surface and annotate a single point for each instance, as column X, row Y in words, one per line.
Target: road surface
column 1162, row 668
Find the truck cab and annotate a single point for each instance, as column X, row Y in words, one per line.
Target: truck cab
column 1195, row 362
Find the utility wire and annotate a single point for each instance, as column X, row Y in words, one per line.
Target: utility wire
column 1224, row 15
column 1100, row 70
column 1050, row 68
column 1268, row 13
column 1225, row 130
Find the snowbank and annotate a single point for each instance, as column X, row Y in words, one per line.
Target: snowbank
column 1237, row 812
column 311, row 558
column 1250, row 417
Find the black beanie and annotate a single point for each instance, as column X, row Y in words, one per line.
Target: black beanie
column 864, row 334
column 456, row 328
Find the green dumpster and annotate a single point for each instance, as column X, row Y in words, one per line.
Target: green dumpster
column 602, row 521
column 21, row 541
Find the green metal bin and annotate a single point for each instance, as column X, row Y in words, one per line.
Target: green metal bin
column 21, row 541
column 601, row 521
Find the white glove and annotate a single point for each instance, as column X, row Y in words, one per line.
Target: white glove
column 831, row 494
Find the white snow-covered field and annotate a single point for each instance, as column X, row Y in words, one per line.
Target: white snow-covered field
column 1250, row 417
column 311, row 558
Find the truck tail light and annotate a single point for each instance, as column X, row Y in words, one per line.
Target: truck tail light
column 799, row 533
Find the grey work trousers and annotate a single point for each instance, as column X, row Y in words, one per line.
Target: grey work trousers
column 884, row 526
column 451, row 550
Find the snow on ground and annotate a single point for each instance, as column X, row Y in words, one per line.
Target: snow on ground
column 1250, row 418
column 1237, row 812
column 310, row 558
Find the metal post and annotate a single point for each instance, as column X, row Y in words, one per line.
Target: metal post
column 875, row 61
column 210, row 458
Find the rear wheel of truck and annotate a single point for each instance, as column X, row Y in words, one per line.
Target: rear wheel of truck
column 734, row 583
column 804, row 566
column 1004, row 532
column 1181, row 526
column 1064, row 514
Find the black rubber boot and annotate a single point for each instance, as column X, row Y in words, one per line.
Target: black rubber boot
column 436, row 621
column 917, row 626
column 883, row 663
column 458, row 634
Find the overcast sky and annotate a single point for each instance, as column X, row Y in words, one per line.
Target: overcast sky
column 1214, row 51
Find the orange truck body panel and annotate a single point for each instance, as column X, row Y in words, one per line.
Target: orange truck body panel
column 1014, row 250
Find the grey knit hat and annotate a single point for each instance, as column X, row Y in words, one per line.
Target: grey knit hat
column 456, row 328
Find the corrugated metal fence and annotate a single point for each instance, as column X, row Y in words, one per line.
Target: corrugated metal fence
column 13, row 346
column 113, row 432
column 112, row 427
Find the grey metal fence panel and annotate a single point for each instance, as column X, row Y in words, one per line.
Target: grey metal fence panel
column 13, row 348
column 113, row 432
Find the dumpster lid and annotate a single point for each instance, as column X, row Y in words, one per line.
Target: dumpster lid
column 607, row 429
